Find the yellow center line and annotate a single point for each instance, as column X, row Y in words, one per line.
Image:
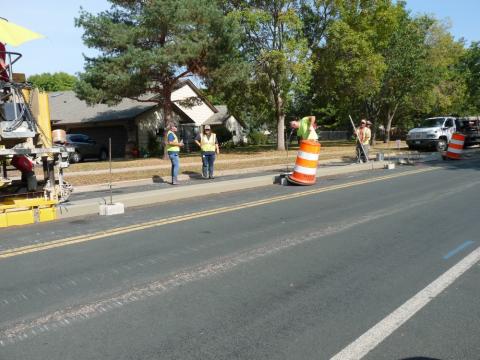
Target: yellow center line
column 195, row 215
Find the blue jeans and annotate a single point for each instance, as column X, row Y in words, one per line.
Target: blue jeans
column 207, row 161
column 174, row 158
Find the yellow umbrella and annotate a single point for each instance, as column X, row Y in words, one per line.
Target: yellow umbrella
column 15, row 35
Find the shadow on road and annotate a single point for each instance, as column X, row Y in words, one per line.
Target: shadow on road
column 192, row 174
column 471, row 163
column 156, row 179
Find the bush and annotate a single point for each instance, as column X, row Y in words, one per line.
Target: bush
column 223, row 135
column 258, row 138
column 154, row 146
column 228, row 145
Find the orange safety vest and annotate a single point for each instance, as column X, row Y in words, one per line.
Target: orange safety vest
column 362, row 136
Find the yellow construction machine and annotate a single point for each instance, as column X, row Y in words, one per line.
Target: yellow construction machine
column 31, row 164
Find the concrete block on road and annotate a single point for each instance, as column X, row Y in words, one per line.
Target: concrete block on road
column 111, row 209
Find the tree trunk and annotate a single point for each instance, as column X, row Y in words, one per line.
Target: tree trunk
column 390, row 116
column 373, row 113
column 167, row 116
column 388, row 128
column 280, row 114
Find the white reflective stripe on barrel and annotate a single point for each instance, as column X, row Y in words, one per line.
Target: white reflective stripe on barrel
column 305, row 171
column 455, row 151
column 457, row 142
column 307, row 156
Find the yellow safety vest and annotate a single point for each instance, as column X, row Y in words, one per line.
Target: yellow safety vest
column 172, row 148
column 208, row 144
column 304, row 130
column 365, row 135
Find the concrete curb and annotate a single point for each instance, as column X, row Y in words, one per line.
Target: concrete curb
column 91, row 206
column 218, row 173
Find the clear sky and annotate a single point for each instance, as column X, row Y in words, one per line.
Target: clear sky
column 62, row 49
column 462, row 15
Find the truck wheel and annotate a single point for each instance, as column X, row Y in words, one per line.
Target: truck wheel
column 442, row 145
column 75, row 157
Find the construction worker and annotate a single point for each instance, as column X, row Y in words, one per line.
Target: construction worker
column 306, row 128
column 208, row 143
column 173, row 149
column 3, row 63
column 363, row 141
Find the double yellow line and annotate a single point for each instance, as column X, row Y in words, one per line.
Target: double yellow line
column 196, row 215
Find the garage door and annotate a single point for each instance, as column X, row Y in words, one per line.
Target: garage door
column 102, row 133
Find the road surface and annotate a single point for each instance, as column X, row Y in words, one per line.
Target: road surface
column 378, row 265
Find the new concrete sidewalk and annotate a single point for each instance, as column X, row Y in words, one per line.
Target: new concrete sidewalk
column 183, row 177
column 149, row 197
column 241, row 171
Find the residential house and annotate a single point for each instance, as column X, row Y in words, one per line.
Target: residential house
column 136, row 122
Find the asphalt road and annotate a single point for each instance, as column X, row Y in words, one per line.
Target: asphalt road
column 380, row 265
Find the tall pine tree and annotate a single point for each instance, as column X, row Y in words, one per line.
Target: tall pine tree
column 149, row 46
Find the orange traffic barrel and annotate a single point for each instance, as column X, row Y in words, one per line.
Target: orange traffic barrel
column 305, row 170
column 455, row 146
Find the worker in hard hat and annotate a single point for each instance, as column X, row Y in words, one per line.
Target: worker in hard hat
column 208, row 143
column 173, row 149
column 306, row 128
column 363, row 141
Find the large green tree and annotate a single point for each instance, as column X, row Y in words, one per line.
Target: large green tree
column 446, row 93
column 422, row 77
column 470, row 68
column 397, row 41
column 147, row 47
column 373, row 62
column 348, row 54
column 408, row 72
column 319, row 18
column 373, row 59
column 59, row 81
column 347, row 71
column 276, row 48
column 247, row 98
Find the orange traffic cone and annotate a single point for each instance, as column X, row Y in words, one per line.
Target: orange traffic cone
column 305, row 171
column 455, row 146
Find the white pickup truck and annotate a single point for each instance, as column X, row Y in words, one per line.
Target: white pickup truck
column 433, row 133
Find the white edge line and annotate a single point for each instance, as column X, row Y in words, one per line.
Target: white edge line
column 379, row 332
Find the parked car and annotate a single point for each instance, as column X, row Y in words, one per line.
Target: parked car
column 86, row 148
